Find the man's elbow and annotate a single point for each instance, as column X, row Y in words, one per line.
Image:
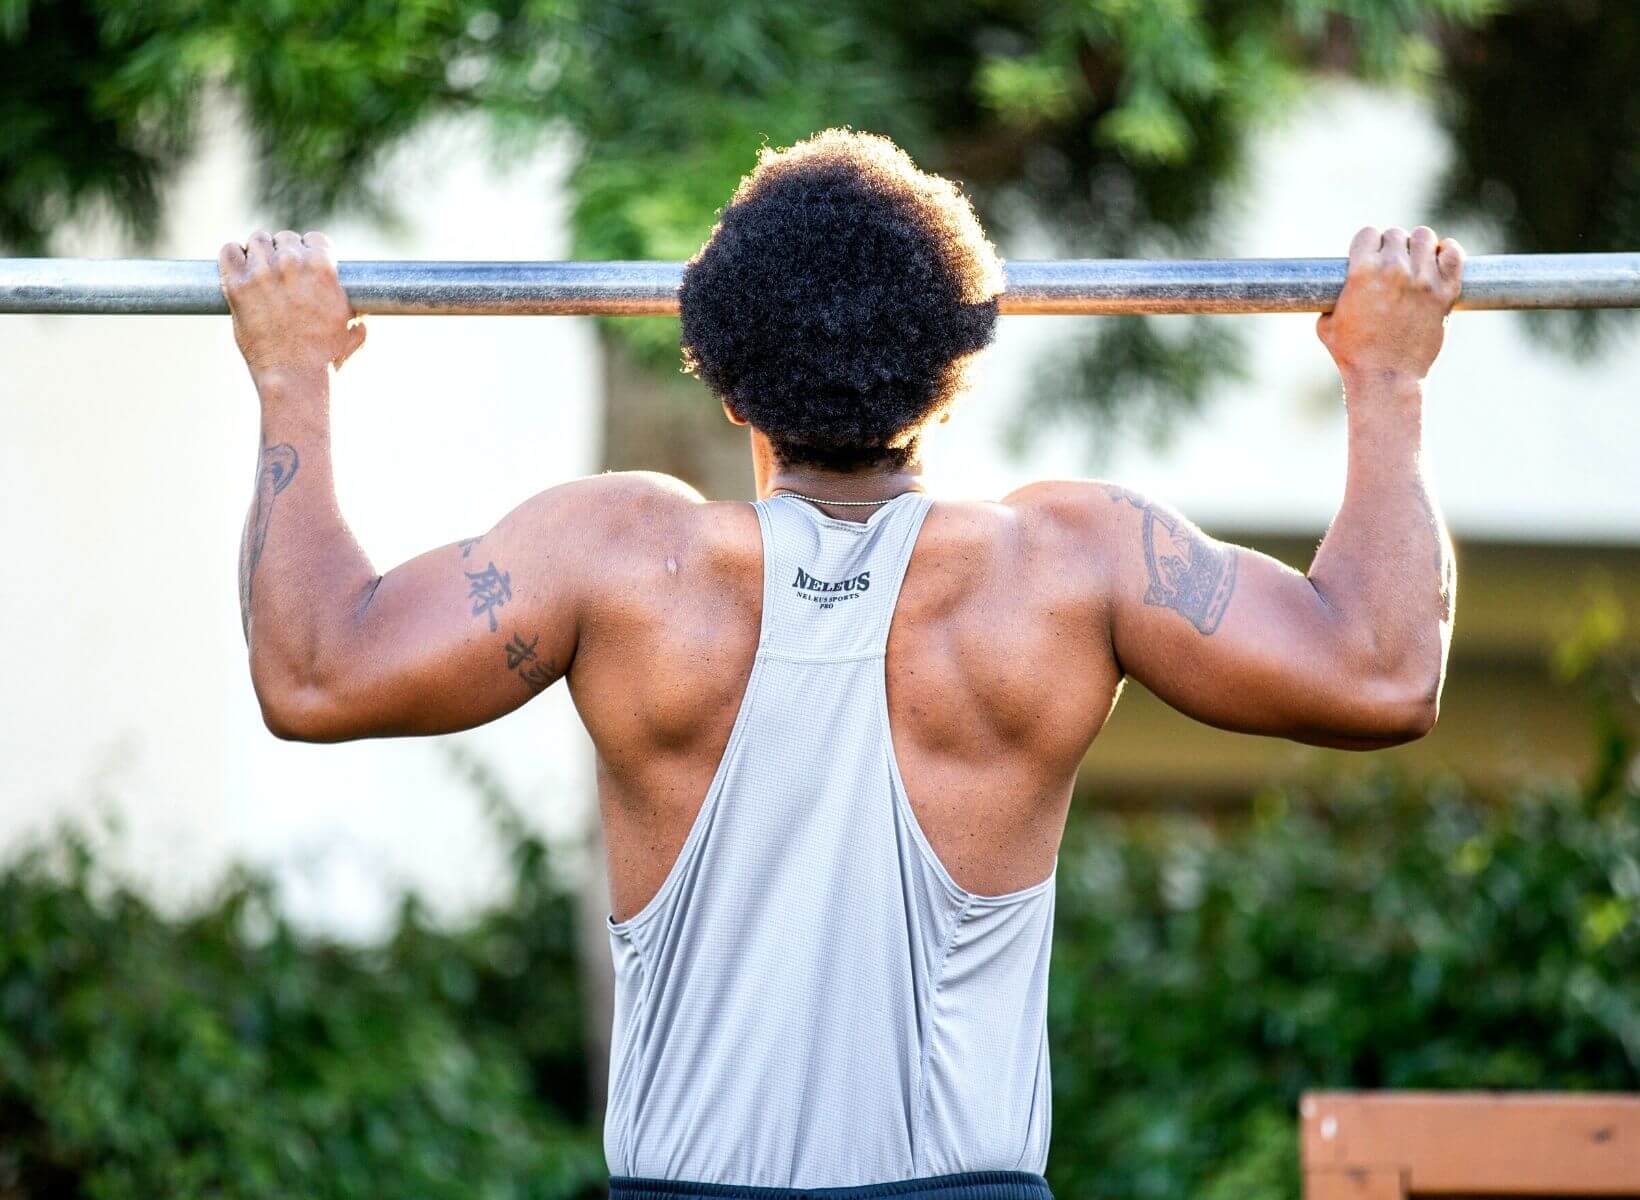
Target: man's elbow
column 294, row 718
column 1395, row 710
column 299, row 710
column 1412, row 718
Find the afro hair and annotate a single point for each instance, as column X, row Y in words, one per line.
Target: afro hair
column 836, row 302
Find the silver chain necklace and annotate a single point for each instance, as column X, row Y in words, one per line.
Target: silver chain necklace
column 844, row 503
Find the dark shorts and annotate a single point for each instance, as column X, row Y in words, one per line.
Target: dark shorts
column 973, row 1185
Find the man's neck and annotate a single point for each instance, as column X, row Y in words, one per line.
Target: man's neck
column 855, row 489
column 858, row 487
column 843, row 485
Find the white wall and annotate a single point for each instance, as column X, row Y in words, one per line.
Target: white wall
column 126, row 468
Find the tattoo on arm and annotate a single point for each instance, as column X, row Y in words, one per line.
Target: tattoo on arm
column 1188, row 573
column 537, row 672
column 273, row 475
column 467, row 545
column 488, row 589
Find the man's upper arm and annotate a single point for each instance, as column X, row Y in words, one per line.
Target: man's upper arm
column 1231, row 636
column 466, row 633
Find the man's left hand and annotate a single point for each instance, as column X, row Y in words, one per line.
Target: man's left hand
column 290, row 315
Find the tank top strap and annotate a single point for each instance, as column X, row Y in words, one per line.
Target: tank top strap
column 829, row 585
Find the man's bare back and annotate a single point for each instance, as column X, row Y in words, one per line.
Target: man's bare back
column 998, row 678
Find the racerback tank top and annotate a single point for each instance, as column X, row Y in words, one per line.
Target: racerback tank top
column 810, row 1000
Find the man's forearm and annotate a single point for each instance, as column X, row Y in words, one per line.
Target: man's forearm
column 1386, row 565
column 300, row 570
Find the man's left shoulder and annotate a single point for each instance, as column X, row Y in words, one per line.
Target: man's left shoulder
column 624, row 501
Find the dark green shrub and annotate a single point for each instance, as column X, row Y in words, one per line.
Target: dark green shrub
column 221, row 1055
column 1379, row 935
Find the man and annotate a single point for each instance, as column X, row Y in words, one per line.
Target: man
column 837, row 729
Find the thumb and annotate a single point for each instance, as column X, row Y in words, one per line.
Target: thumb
column 1323, row 326
column 355, row 339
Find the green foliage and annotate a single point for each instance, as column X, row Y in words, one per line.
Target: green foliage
column 93, row 111
column 1379, row 935
column 100, row 99
column 223, row 1055
column 1545, row 119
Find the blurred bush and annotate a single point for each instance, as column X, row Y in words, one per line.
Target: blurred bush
column 1380, row 934
column 224, row 1055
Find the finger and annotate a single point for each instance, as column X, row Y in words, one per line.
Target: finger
column 1422, row 248
column 1364, row 244
column 230, row 262
column 356, row 336
column 287, row 246
column 259, row 250
column 1449, row 258
column 318, row 247
column 1396, row 248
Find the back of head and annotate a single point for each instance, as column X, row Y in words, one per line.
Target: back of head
column 838, row 298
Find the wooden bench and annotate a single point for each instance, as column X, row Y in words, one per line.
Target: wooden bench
column 1397, row 1145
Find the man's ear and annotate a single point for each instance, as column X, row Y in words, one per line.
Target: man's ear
column 734, row 418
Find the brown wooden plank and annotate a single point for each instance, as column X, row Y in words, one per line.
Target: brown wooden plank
column 1354, row 1183
column 1469, row 1143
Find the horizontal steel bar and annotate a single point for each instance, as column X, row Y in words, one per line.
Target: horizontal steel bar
column 1074, row 286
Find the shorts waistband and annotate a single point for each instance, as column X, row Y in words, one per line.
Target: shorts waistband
column 970, row 1185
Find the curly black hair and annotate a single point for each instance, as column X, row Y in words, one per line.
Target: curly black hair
column 838, row 298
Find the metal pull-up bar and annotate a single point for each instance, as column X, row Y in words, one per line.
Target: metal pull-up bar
column 1074, row 286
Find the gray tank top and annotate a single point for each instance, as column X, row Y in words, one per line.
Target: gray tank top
column 811, row 1000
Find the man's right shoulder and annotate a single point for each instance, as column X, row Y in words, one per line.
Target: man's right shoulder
column 1074, row 524
column 1071, row 511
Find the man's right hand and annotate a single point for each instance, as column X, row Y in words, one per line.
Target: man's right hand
column 1391, row 318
